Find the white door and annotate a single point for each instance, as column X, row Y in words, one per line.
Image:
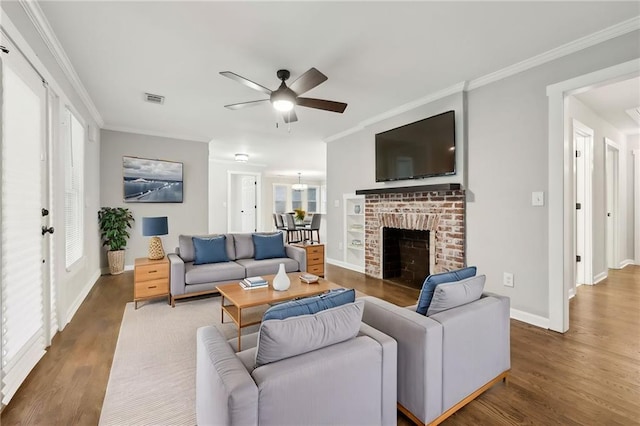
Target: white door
column 583, row 145
column 243, row 190
column 23, row 182
column 248, row 204
column 580, row 219
column 611, row 177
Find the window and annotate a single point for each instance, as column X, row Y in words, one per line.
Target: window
column 73, row 191
column 280, row 198
column 287, row 199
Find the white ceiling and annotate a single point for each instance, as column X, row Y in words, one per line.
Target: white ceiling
column 612, row 101
column 377, row 55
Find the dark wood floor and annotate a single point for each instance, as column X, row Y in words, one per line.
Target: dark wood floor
column 588, row 376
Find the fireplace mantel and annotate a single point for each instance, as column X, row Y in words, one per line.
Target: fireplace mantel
column 407, row 189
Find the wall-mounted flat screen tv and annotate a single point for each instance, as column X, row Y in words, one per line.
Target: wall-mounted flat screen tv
column 417, row 150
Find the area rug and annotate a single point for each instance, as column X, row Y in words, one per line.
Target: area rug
column 152, row 380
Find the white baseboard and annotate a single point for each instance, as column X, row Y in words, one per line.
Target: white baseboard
column 626, row 262
column 345, row 265
column 601, row 276
column 105, row 270
column 572, row 293
column 532, row 319
column 83, row 294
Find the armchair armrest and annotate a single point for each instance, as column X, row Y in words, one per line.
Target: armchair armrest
column 225, row 392
column 177, row 274
column 419, row 355
column 298, row 254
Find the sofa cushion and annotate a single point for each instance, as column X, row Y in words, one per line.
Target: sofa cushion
column 244, row 246
column 280, row 339
column 210, row 250
column 212, row 272
column 268, row 266
column 187, row 251
column 268, row 246
column 451, row 295
column 429, row 285
column 310, row 305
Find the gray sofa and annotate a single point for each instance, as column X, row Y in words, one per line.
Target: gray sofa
column 352, row 382
column 189, row 280
column 446, row 359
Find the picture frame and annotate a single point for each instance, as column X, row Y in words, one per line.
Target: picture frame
column 146, row 180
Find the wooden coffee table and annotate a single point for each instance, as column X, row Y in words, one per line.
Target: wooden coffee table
column 240, row 298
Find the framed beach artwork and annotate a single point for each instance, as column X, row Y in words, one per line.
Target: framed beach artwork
column 151, row 181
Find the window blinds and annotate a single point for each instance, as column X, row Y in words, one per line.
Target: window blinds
column 23, row 100
column 73, row 195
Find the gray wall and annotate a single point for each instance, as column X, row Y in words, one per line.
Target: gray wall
column 188, row 217
column 602, row 129
column 507, row 160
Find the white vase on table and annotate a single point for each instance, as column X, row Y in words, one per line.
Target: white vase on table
column 281, row 281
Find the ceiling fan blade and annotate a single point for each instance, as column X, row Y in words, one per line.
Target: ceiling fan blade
column 246, row 82
column 322, row 104
column 246, row 104
column 290, row 116
column 308, row 81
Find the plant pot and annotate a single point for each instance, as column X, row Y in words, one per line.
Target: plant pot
column 116, row 261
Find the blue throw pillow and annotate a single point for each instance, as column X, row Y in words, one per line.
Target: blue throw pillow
column 210, row 250
column 268, row 246
column 429, row 285
column 311, row 305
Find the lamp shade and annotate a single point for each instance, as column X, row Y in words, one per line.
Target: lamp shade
column 152, row 226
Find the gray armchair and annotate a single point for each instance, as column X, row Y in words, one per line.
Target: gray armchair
column 447, row 359
column 350, row 382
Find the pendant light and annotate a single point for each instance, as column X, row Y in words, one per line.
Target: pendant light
column 299, row 186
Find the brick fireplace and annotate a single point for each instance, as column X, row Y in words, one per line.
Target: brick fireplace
column 441, row 213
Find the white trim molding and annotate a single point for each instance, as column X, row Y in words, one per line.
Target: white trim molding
column 561, row 254
column 600, row 277
column 532, row 319
column 344, row 265
column 598, row 37
column 156, row 134
column 626, row 263
column 636, row 207
column 76, row 303
column 106, row 271
column 41, row 24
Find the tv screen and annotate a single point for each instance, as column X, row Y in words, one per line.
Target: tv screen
column 417, row 150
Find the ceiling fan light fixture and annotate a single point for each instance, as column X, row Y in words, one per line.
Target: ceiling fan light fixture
column 283, row 105
column 242, row 158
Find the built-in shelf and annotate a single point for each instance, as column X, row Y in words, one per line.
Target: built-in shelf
column 421, row 188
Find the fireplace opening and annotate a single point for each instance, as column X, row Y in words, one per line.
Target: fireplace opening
column 405, row 256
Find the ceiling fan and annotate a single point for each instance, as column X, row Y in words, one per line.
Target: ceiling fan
column 284, row 98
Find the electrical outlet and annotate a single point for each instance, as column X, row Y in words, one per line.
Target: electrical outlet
column 508, row 279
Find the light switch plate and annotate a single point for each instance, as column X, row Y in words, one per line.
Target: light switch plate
column 537, row 198
column 508, row 279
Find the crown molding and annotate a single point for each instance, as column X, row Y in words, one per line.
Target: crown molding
column 156, row 134
column 451, row 90
column 39, row 21
column 598, row 37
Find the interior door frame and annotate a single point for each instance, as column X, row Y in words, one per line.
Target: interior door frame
column 612, row 228
column 636, row 205
column 258, row 177
column 587, row 200
column 560, row 251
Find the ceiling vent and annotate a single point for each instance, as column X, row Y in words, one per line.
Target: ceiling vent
column 634, row 113
column 154, row 99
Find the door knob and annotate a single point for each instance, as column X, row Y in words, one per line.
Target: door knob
column 49, row 230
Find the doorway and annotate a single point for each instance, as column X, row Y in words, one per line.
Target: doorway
column 243, row 202
column 583, row 169
column 612, row 167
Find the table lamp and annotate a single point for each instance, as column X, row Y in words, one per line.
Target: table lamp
column 152, row 227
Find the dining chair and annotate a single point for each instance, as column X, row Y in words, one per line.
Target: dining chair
column 277, row 220
column 293, row 233
column 315, row 226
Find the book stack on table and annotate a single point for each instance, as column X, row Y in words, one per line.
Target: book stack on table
column 253, row 282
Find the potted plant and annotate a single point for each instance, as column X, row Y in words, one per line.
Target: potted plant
column 114, row 222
